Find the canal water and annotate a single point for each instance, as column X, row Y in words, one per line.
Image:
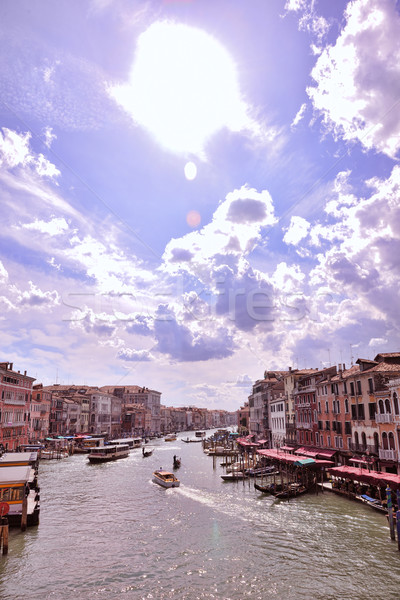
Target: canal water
column 107, row 532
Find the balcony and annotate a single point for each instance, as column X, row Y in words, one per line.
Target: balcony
column 304, row 426
column 384, row 418
column 388, row 454
column 363, row 448
column 14, row 402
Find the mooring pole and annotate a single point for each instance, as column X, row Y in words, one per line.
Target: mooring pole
column 390, row 512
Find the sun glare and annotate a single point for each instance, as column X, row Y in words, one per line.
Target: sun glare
column 183, row 87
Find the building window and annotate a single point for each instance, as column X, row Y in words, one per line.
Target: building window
column 395, row 404
column 359, row 392
column 346, row 405
column 370, row 385
column 344, row 387
column 372, row 410
column 352, row 388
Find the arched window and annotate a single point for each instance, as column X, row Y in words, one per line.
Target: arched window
column 396, row 404
column 381, row 407
column 376, row 443
column 363, row 439
column 387, row 406
column 385, row 443
column 356, row 439
column 391, row 441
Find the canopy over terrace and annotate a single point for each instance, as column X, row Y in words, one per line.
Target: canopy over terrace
column 293, row 459
column 247, row 444
column 365, row 476
column 316, row 452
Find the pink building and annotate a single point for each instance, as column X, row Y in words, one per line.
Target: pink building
column 15, row 398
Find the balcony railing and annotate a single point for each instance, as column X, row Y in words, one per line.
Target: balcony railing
column 384, row 418
column 304, row 426
column 363, row 448
column 388, row 454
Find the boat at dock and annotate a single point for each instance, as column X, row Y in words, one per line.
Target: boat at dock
column 131, row 442
column 234, row 476
column 165, row 479
column 290, row 491
column 269, row 488
column 19, row 491
column 53, row 454
column 372, row 502
column 108, row 453
column 261, row 471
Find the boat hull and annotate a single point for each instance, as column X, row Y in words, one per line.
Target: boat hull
column 166, row 479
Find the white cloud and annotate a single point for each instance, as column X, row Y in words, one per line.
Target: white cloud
column 56, row 226
column 134, row 355
column 3, row 273
column 35, row 297
column 358, row 79
column 299, row 116
column 377, row 342
column 297, row 231
column 15, row 152
column 234, row 232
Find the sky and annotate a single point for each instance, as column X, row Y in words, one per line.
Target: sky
column 193, row 192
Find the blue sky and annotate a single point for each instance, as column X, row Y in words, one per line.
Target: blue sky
column 193, row 192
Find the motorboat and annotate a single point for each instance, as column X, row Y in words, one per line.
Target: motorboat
column 171, row 437
column 165, row 479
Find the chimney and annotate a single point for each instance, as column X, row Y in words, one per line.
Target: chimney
column 11, row 366
column 290, row 368
column 24, row 372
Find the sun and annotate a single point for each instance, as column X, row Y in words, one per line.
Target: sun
column 183, row 87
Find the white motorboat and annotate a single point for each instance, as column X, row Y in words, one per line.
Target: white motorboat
column 165, row 479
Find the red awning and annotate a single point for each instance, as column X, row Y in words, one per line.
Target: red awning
column 262, row 441
column 286, row 448
column 366, row 476
column 311, row 453
column 326, row 453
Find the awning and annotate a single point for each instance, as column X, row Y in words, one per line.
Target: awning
column 262, row 441
column 358, row 460
column 326, row 453
column 286, row 448
column 304, row 462
column 365, row 476
column 312, row 453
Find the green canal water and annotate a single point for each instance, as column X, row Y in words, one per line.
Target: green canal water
column 107, row 532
